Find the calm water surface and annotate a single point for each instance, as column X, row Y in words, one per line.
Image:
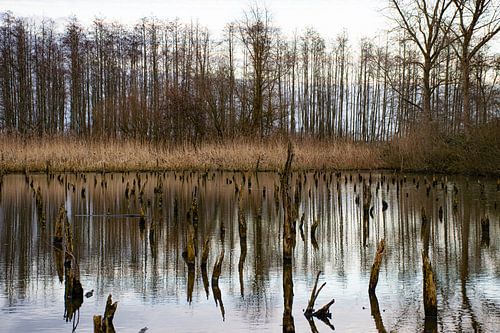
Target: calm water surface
column 142, row 266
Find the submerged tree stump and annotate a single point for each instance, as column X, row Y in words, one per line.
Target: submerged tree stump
column 104, row 324
column 430, row 298
column 376, row 267
column 288, row 229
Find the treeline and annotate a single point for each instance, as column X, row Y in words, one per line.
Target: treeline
column 170, row 81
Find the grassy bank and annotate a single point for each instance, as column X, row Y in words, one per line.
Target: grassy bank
column 414, row 153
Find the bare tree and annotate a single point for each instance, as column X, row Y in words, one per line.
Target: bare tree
column 478, row 22
column 424, row 21
column 257, row 33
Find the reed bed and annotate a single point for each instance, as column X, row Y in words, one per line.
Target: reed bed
column 72, row 154
column 477, row 154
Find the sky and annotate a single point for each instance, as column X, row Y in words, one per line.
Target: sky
column 360, row 18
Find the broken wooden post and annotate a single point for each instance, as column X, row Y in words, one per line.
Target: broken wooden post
column 430, row 298
column 288, row 239
column 376, row 267
column 288, row 235
column 104, row 324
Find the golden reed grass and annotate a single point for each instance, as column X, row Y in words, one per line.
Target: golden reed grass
column 478, row 153
column 72, row 154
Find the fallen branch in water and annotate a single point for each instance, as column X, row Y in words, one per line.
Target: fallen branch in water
column 324, row 312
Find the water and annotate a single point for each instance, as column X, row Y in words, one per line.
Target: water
column 142, row 266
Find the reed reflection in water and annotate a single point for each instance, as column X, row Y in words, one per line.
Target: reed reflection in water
column 239, row 218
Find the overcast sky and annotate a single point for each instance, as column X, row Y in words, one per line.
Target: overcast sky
column 329, row 17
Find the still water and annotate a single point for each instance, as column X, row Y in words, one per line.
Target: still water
column 142, row 266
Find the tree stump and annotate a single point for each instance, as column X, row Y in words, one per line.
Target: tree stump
column 376, row 267
column 104, row 324
column 430, row 298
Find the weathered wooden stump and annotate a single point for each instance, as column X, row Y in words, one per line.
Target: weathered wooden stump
column 104, row 324
column 376, row 267
column 429, row 292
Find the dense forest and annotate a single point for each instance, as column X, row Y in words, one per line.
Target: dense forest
column 168, row 81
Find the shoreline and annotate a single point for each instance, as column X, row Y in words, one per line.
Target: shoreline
column 66, row 154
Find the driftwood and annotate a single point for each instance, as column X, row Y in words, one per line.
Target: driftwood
column 104, row 324
column 323, row 312
column 376, row 267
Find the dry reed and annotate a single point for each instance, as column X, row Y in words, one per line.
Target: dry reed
column 71, row 154
column 417, row 152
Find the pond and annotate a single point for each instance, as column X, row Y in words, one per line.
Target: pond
column 130, row 234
